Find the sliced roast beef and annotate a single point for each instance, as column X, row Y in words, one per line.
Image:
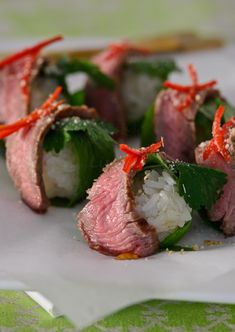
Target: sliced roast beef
column 24, row 155
column 110, row 222
column 224, row 209
column 108, row 105
column 108, row 102
column 177, row 128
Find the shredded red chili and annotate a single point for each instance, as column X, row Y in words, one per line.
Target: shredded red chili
column 25, row 80
column 219, row 133
column 47, row 108
column 190, row 90
column 136, row 158
column 28, row 51
column 117, row 49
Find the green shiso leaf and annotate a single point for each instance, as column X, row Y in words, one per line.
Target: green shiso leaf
column 92, row 147
column 90, row 159
column 200, row 186
column 69, row 66
column 55, row 140
column 160, row 68
column 176, row 235
column 77, row 98
column 98, row 134
column 147, row 134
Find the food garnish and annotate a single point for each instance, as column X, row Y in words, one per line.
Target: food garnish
column 200, row 186
column 136, row 158
column 218, row 142
column 48, row 107
column 117, row 49
column 191, row 91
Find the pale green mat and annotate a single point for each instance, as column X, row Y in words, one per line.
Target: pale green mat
column 18, row 313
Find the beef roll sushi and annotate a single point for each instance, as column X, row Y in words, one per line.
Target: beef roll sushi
column 219, row 153
column 138, row 76
column 54, row 154
column 183, row 115
column 143, row 203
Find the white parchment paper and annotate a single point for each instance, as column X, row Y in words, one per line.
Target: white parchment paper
column 46, row 253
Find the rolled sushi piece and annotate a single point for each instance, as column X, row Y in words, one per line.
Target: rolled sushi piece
column 183, row 115
column 143, row 203
column 219, row 153
column 138, row 76
column 55, row 153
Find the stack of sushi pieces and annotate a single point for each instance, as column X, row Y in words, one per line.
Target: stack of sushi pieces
column 58, row 150
column 51, row 146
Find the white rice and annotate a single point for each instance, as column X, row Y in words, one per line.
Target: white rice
column 160, row 204
column 60, row 173
column 138, row 93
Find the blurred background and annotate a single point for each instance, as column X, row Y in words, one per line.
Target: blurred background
column 115, row 18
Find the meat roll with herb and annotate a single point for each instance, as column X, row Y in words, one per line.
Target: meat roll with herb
column 27, row 78
column 219, row 153
column 183, row 115
column 55, row 153
column 138, row 76
column 144, row 202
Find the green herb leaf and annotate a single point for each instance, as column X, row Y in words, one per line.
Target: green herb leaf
column 98, row 134
column 176, row 235
column 92, row 147
column 147, row 134
column 70, row 66
column 200, row 186
column 77, row 98
column 111, row 130
column 55, row 140
column 160, row 68
column 91, row 158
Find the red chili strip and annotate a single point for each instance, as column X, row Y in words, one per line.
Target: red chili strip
column 136, row 158
column 217, row 143
column 34, row 49
column 190, row 90
column 116, row 49
column 48, row 107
